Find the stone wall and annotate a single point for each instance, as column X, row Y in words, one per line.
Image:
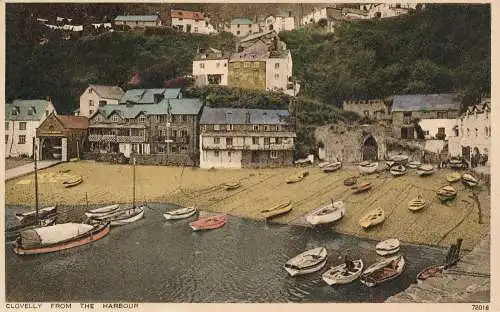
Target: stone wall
column 373, row 109
column 261, row 159
column 172, row 159
column 246, row 74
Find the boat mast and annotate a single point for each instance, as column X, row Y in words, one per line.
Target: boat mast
column 133, row 185
column 36, row 181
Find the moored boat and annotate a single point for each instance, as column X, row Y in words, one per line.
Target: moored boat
column 276, row 210
column 414, row 164
column 13, row 232
column 350, row 181
column 122, row 216
column 99, row 212
column 182, row 213
column 361, row 187
column 469, row 180
column 428, row 272
column 342, row 275
column 388, row 247
column 372, row 218
column 208, row 223
column 400, row 159
column 425, row 170
column 59, row 237
column 398, row 170
column 368, row 167
column 453, row 177
column 332, row 167
column 307, row 262
column 297, row 177
column 231, row 186
column 327, row 214
column 446, row 193
column 417, row 203
column 323, row 164
column 383, row 271
column 73, row 182
column 29, row 216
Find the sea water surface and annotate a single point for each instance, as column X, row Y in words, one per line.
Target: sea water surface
column 154, row 260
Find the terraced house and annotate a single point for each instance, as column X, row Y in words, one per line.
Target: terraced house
column 156, row 126
column 246, row 138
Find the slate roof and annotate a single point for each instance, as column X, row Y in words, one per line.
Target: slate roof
column 426, row 102
column 237, row 116
column 177, row 107
column 242, row 21
column 140, row 18
column 258, row 35
column 108, row 92
column 74, row 122
column 23, row 106
column 146, row 96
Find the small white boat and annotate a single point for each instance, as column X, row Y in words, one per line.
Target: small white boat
column 99, row 212
column 400, row 159
column 122, row 216
column 383, row 271
column 24, row 216
column 387, row 247
column 368, row 167
column 425, row 170
column 414, row 164
column 332, row 167
column 321, row 165
column 469, row 180
column 180, row 213
column 307, row 262
column 327, row 214
column 398, row 170
column 341, row 275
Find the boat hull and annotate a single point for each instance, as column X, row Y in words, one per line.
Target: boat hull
column 101, row 212
column 312, row 269
column 314, row 219
column 332, row 279
column 93, row 236
column 370, row 282
column 128, row 220
column 385, row 252
column 30, row 216
column 168, row 216
column 201, row 224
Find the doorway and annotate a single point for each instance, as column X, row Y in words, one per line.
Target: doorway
column 369, row 149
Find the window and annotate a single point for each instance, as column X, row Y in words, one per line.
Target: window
column 6, row 125
column 229, row 141
column 6, row 139
column 273, row 154
column 216, row 153
column 276, row 76
column 90, row 112
column 216, row 127
column 142, row 119
column 238, row 25
column 217, row 65
column 486, row 131
column 204, row 127
column 238, row 32
column 91, row 103
column 277, row 128
column 163, row 132
column 184, row 118
column 266, row 128
column 279, row 140
column 216, row 140
column 22, row 126
column 476, row 132
column 229, row 127
column 236, row 65
column 196, row 29
column 276, row 65
column 90, row 91
column 468, row 132
column 441, row 115
column 30, row 112
column 46, row 113
column 22, row 139
column 255, row 141
column 225, row 64
column 114, row 118
column 255, row 127
column 267, row 141
column 174, row 133
column 256, row 64
column 229, row 154
column 202, row 65
column 246, row 64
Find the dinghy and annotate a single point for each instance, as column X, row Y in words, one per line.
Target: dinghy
column 297, row 177
column 446, row 193
column 469, row 180
column 327, row 214
column 276, row 210
column 29, row 216
column 100, row 212
column 350, row 181
column 387, row 247
column 122, row 216
column 73, row 182
column 372, row 218
column 414, row 164
column 13, row 232
column 400, row 159
column 425, row 170
column 383, row 271
column 428, row 272
column 307, row 262
column 59, row 237
column 361, row 188
column 341, row 275
column 416, row 204
column 208, row 223
column 453, row 177
column 398, row 170
column 332, row 167
column 367, row 168
column 321, row 165
column 231, row 186
column 182, row 213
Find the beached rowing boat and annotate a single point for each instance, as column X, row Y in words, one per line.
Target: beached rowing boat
column 383, row 271
column 208, row 223
column 182, row 213
column 372, row 218
column 307, row 262
column 277, row 210
column 327, row 214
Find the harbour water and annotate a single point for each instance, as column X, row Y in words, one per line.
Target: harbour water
column 154, row 260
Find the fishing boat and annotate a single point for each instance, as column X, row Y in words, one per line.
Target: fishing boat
column 414, row 164
column 73, row 182
column 372, row 218
column 400, row 159
column 341, row 275
column 361, row 187
column 59, row 237
column 305, row 161
column 367, row 167
column 276, row 210
column 100, row 212
column 208, row 223
column 307, row 262
column 453, row 177
column 231, row 186
column 416, row 204
column 327, row 214
column 469, row 180
column 323, row 164
column 29, row 216
column 428, row 272
column 182, row 213
column 398, row 170
column 387, row 247
column 297, row 177
column 446, row 193
column 350, row 181
column 425, row 170
column 13, row 232
column 383, row 271
column 332, row 167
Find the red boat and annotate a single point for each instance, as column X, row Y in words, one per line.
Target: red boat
column 430, row 272
column 208, row 223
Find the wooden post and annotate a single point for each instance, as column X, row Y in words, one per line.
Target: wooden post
column 86, row 201
column 133, row 185
column 35, row 150
column 77, row 150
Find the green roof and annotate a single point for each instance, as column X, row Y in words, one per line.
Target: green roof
column 242, row 21
column 26, row 110
column 146, row 96
column 177, row 107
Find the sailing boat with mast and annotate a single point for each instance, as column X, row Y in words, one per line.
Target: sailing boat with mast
column 123, row 216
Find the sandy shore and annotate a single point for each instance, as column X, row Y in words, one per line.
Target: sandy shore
column 437, row 224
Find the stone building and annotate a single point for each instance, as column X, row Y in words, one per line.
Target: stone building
column 374, row 109
column 164, row 132
column 242, row 27
column 246, row 138
column 210, row 68
column 248, row 69
column 62, row 137
column 98, row 95
column 191, row 22
column 138, row 21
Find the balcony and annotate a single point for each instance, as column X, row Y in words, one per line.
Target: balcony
column 116, row 138
column 250, row 147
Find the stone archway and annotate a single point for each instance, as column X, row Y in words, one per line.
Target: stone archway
column 369, row 150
